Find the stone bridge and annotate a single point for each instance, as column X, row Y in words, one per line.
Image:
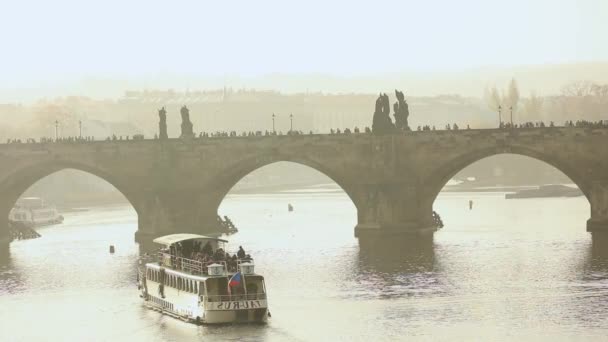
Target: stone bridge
column 177, row 185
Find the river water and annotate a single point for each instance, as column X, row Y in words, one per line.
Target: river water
column 507, row 270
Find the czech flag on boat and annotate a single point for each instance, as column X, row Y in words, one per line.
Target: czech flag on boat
column 235, row 280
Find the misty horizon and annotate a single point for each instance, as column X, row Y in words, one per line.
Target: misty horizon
column 426, row 49
column 544, row 80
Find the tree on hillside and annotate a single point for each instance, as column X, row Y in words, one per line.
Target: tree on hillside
column 492, row 98
column 584, row 100
column 532, row 108
column 578, row 89
column 513, row 94
column 44, row 118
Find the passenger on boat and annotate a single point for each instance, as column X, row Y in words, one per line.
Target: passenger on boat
column 241, row 253
column 219, row 254
column 233, row 262
column 208, row 249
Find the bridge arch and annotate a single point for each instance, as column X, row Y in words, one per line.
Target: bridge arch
column 235, row 172
column 452, row 166
column 448, row 169
column 18, row 180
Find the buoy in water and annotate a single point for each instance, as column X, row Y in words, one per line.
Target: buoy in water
column 112, row 249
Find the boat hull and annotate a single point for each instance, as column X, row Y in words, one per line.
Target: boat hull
column 257, row 311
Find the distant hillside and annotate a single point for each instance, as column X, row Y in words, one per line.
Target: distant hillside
column 545, row 79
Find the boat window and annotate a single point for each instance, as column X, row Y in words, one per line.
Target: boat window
column 216, row 287
column 179, row 283
column 254, row 284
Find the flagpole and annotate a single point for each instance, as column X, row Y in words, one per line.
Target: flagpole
column 228, row 283
column 244, row 285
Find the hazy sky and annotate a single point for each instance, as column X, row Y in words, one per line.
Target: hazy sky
column 55, row 41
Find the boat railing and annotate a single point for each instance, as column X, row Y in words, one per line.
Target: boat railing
column 191, row 266
column 236, row 297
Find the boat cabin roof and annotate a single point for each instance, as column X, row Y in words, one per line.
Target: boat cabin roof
column 171, row 239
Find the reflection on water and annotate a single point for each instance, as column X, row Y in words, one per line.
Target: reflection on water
column 10, row 278
column 507, row 270
column 598, row 258
column 396, row 267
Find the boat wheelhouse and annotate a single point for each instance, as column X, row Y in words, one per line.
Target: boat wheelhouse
column 193, row 279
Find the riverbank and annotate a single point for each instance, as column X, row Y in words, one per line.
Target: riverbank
column 78, row 203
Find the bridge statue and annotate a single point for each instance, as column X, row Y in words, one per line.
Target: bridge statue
column 186, row 124
column 382, row 123
column 401, row 112
column 162, row 124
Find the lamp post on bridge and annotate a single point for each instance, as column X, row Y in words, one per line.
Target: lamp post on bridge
column 273, row 130
column 56, row 130
column 291, row 122
column 80, row 129
column 499, row 117
column 511, row 109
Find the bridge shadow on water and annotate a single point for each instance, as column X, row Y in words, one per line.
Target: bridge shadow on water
column 397, row 267
column 11, row 278
column 596, row 264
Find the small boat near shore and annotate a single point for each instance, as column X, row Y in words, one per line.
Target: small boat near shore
column 34, row 212
column 208, row 290
column 546, row 191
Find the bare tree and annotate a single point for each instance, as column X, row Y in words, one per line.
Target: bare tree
column 492, row 98
column 513, row 94
column 584, row 100
column 578, row 89
column 44, row 118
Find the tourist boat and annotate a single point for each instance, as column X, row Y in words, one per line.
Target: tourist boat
column 555, row 190
column 34, row 212
column 208, row 293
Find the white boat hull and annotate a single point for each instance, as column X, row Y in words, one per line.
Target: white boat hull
column 184, row 305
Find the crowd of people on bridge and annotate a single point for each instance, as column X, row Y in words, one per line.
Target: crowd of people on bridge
column 589, row 124
column 381, row 114
column 45, row 140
